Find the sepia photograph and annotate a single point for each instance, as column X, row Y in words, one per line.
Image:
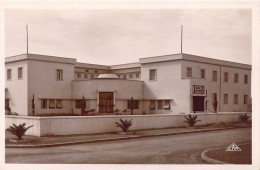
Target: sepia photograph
column 128, row 86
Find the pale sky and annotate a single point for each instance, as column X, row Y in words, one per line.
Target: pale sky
column 112, row 37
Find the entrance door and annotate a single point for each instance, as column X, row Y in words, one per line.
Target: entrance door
column 198, row 103
column 106, row 102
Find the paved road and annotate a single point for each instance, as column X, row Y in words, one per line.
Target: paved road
column 175, row 149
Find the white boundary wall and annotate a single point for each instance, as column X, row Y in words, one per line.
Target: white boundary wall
column 67, row 125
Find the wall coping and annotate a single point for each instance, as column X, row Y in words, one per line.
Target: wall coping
column 120, row 116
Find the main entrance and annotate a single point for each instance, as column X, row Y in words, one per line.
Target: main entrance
column 106, row 102
column 198, row 103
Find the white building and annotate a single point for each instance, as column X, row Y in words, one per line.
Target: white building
column 174, row 84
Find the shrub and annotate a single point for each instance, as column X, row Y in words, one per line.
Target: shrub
column 244, row 117
column 19, row 130
column 191, row 120
column 125, row 111
column 124, row 124
column 116, row 111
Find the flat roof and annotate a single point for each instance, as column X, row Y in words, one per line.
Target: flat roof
column 194, row 58
column 39, row 57
column 164, row 58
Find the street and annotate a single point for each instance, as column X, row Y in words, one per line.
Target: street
column 173, row 149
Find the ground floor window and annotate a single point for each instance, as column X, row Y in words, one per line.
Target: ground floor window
column 235, row 98
column 59, row 103
column 51, row 103
column 135, row 104
column 44, row 103
column 152, row 104
column 245, row 99
column 166, row 105
column 78, row 104
column 159, row 104
column 7, row 107
column 225, row 98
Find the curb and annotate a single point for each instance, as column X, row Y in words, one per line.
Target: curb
column 119, row 138
column 211, row 160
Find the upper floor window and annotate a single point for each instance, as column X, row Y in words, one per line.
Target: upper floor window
column 137, row 75
column 152, row 74
column 225, row 76
column 225, row 98
column 236, row 78
column 189, row 72
column 246, row 79
column 202, row 73
column 86, row 70
column 214, row 76
column 59, row 74
column 96, row 71
column 20, row 73
column 235, row 98
column 130, row 75
column 9, row 74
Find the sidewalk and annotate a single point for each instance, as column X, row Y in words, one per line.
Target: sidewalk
column 33, row 141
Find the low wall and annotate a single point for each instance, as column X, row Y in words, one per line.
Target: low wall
column 66, row 125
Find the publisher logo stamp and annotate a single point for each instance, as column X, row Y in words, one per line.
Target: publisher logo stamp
column 233, row 147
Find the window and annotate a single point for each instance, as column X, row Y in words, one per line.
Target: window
column 7, row 107
column 159, row 104
column 59, row 103
column 96, row 71
column 189, row 72
column 225, row 77
column 236, row 78
column 202, row 73
column 92, row 76
column 235, row 98
column 214, row 76
column 225, row 98
column 78, row 104
column 152, row 74
column 51, row 103
column 137, row 75
column 78, row 75
column 152, row 104
column 86, row 70
column 44, row 103
column 166, row 105
column 124, row 76
column 85, row 76
column 59, row 74
column 20, row 73
column 135, row 104
column 246, row 79
column 9, row 74
column 245, row 99
column 130, row 75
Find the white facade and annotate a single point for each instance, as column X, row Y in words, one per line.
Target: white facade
column 171, row 84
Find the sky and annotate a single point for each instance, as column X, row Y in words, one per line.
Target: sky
column 114, row 36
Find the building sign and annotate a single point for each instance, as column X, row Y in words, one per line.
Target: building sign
column 198, row 89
